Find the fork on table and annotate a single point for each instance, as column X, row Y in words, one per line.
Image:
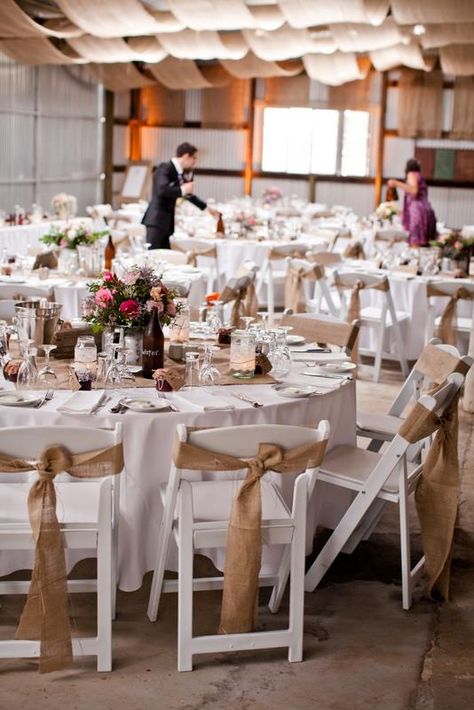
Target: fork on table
column 49, row 395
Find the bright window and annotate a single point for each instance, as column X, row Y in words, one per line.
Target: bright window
column 319, row 141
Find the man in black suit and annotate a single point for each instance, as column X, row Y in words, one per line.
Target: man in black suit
column 171, row 180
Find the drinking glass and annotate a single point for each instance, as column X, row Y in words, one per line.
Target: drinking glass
column 242, row 354
column 28, row 372
column 102, row 367
column 279, row 354
column 46, row 376
column 209, row 374
column 247, row 320
column 191, row 374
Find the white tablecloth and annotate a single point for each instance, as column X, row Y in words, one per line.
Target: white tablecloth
column 17, row 239
column 148, row 440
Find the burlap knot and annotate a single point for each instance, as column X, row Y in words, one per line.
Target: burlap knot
column 354, row 251
column 45, row 614
column 192, row 254
column 244, row 537
column 446, row 330
column 437, row 492
column 242, row 292
column 294, row 285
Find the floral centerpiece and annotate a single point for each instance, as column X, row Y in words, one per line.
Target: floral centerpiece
column 453, row 245
column 272, row 194
column 64, row 205
column 386, row 211
column 72, row 237
column 129, row 301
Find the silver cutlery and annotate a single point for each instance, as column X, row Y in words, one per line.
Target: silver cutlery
column 244, row 398
column 47, row 397
column 328, row 377
column 118, row 408
column 162, row 395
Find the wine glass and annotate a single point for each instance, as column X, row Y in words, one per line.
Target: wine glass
column 247, row 320
column 46, row 376
column 27, row 372
column 209, row 374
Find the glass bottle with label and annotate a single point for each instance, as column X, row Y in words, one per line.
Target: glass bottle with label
column 109, row 254
column 153, row 346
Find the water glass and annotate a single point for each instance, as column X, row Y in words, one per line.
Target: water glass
column 85, row 350
column 191, row 373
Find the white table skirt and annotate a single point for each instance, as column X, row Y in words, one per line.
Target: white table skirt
column 17, row 239
column 148, row 440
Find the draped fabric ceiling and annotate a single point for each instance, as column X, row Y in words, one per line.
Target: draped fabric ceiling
column 135, row 43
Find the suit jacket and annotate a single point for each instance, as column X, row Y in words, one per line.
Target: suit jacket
column 165, row 191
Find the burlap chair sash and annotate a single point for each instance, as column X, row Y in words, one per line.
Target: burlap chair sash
column 244, row 537
column 192, row 254
column 438, row 364
column 437, row 492
column 277, row 253
column 45, row 615
column 242, row 292
column 354, row 251
column 294, row 284
column 353, row 312
column 446, row 330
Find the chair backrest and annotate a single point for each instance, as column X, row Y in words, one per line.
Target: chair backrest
column 330, row 236
column 435, row 364
column 182, row 288
column 326, row 258
column 323, row 329
column 282, row 251
column 187, row 244
column 346, row 280
column 447, row 287
column 170, row 255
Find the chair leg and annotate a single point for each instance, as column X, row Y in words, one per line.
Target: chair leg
column 104, row 599
column 295, row 650
column 162, row 553
column 378, row 353
column 185, row 580
column 279, row 588
column 401, row 352
column 405, row 552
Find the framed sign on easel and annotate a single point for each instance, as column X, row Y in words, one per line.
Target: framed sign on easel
column 136, row 181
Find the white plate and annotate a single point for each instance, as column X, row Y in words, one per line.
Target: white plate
column 296, row 391
column 144, row 404
column 13, row 398
column 135, row 368
column 295, row 340
column 337, row 366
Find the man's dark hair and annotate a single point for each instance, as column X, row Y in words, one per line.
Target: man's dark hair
column 185, row 149
column 412, row 166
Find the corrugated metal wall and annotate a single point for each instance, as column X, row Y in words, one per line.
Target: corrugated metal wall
column 50, row 135
column 218, row 149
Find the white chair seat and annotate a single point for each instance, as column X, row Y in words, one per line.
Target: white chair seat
column 355, row 466
column 75, row 503
column 460, row 323
column 384, row 423
column 212, row 500
column 373, row 313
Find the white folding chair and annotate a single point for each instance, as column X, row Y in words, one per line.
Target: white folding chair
column 205, row 253
column 376, row 479
column 171, row 256
column 269, row 276
column 383, row 319
column 87, row 511
column 435, row 364
column 200, row 522
column 315, row 286
column 447, row 288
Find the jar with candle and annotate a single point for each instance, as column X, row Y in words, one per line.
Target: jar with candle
column 85, row 352
column 242, row 354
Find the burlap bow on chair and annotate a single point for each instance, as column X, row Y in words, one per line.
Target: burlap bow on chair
column 242, row 292
column 244, row 537
column 354, row 251
column 294, row 284
column 192, row 254
column 45, row 615
column 437, row 492
column 446, row 330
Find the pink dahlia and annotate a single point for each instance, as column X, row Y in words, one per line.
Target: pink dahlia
column 130, row 308
column 104, row 297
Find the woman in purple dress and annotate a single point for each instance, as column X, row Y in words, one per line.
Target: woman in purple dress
column 418, row 216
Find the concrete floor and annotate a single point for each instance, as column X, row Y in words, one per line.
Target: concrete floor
column 361, row 650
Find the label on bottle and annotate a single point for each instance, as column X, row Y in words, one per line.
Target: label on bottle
column 151, row 353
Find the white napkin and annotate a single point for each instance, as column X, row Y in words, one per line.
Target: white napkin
column 81, row 402
column 301, row 356
column 199, row 400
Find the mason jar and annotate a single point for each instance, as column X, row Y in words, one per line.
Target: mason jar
column 242, row 354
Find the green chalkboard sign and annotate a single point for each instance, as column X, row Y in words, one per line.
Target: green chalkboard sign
column 444, row 164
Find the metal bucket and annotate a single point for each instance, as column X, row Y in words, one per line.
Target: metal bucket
column 37, row 320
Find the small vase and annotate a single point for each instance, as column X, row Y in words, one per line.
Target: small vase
column 133, row 342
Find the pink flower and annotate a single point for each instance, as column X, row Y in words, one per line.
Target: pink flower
column 108, row 276
column 171, row 309
column 104, row 297
column 130, row 308
column 155, row 293
column 155, row 305
column 130, row 277
column 63, row 243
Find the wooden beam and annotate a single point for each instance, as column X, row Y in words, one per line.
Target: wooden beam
column 249, row 142
column 108, row 145
column 381, row 140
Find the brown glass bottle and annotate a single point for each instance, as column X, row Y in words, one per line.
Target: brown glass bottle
column 220, row 229
column 153, row 346
column 109, row 254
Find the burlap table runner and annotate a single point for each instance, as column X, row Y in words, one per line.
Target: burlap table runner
column 294, row 284
column 45, row 615
column 446, row 330
column 353, row 312
column 437, row 492
column 244, row 536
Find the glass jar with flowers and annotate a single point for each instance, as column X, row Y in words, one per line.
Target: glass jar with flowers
column 129, row 303
column 455, row 247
